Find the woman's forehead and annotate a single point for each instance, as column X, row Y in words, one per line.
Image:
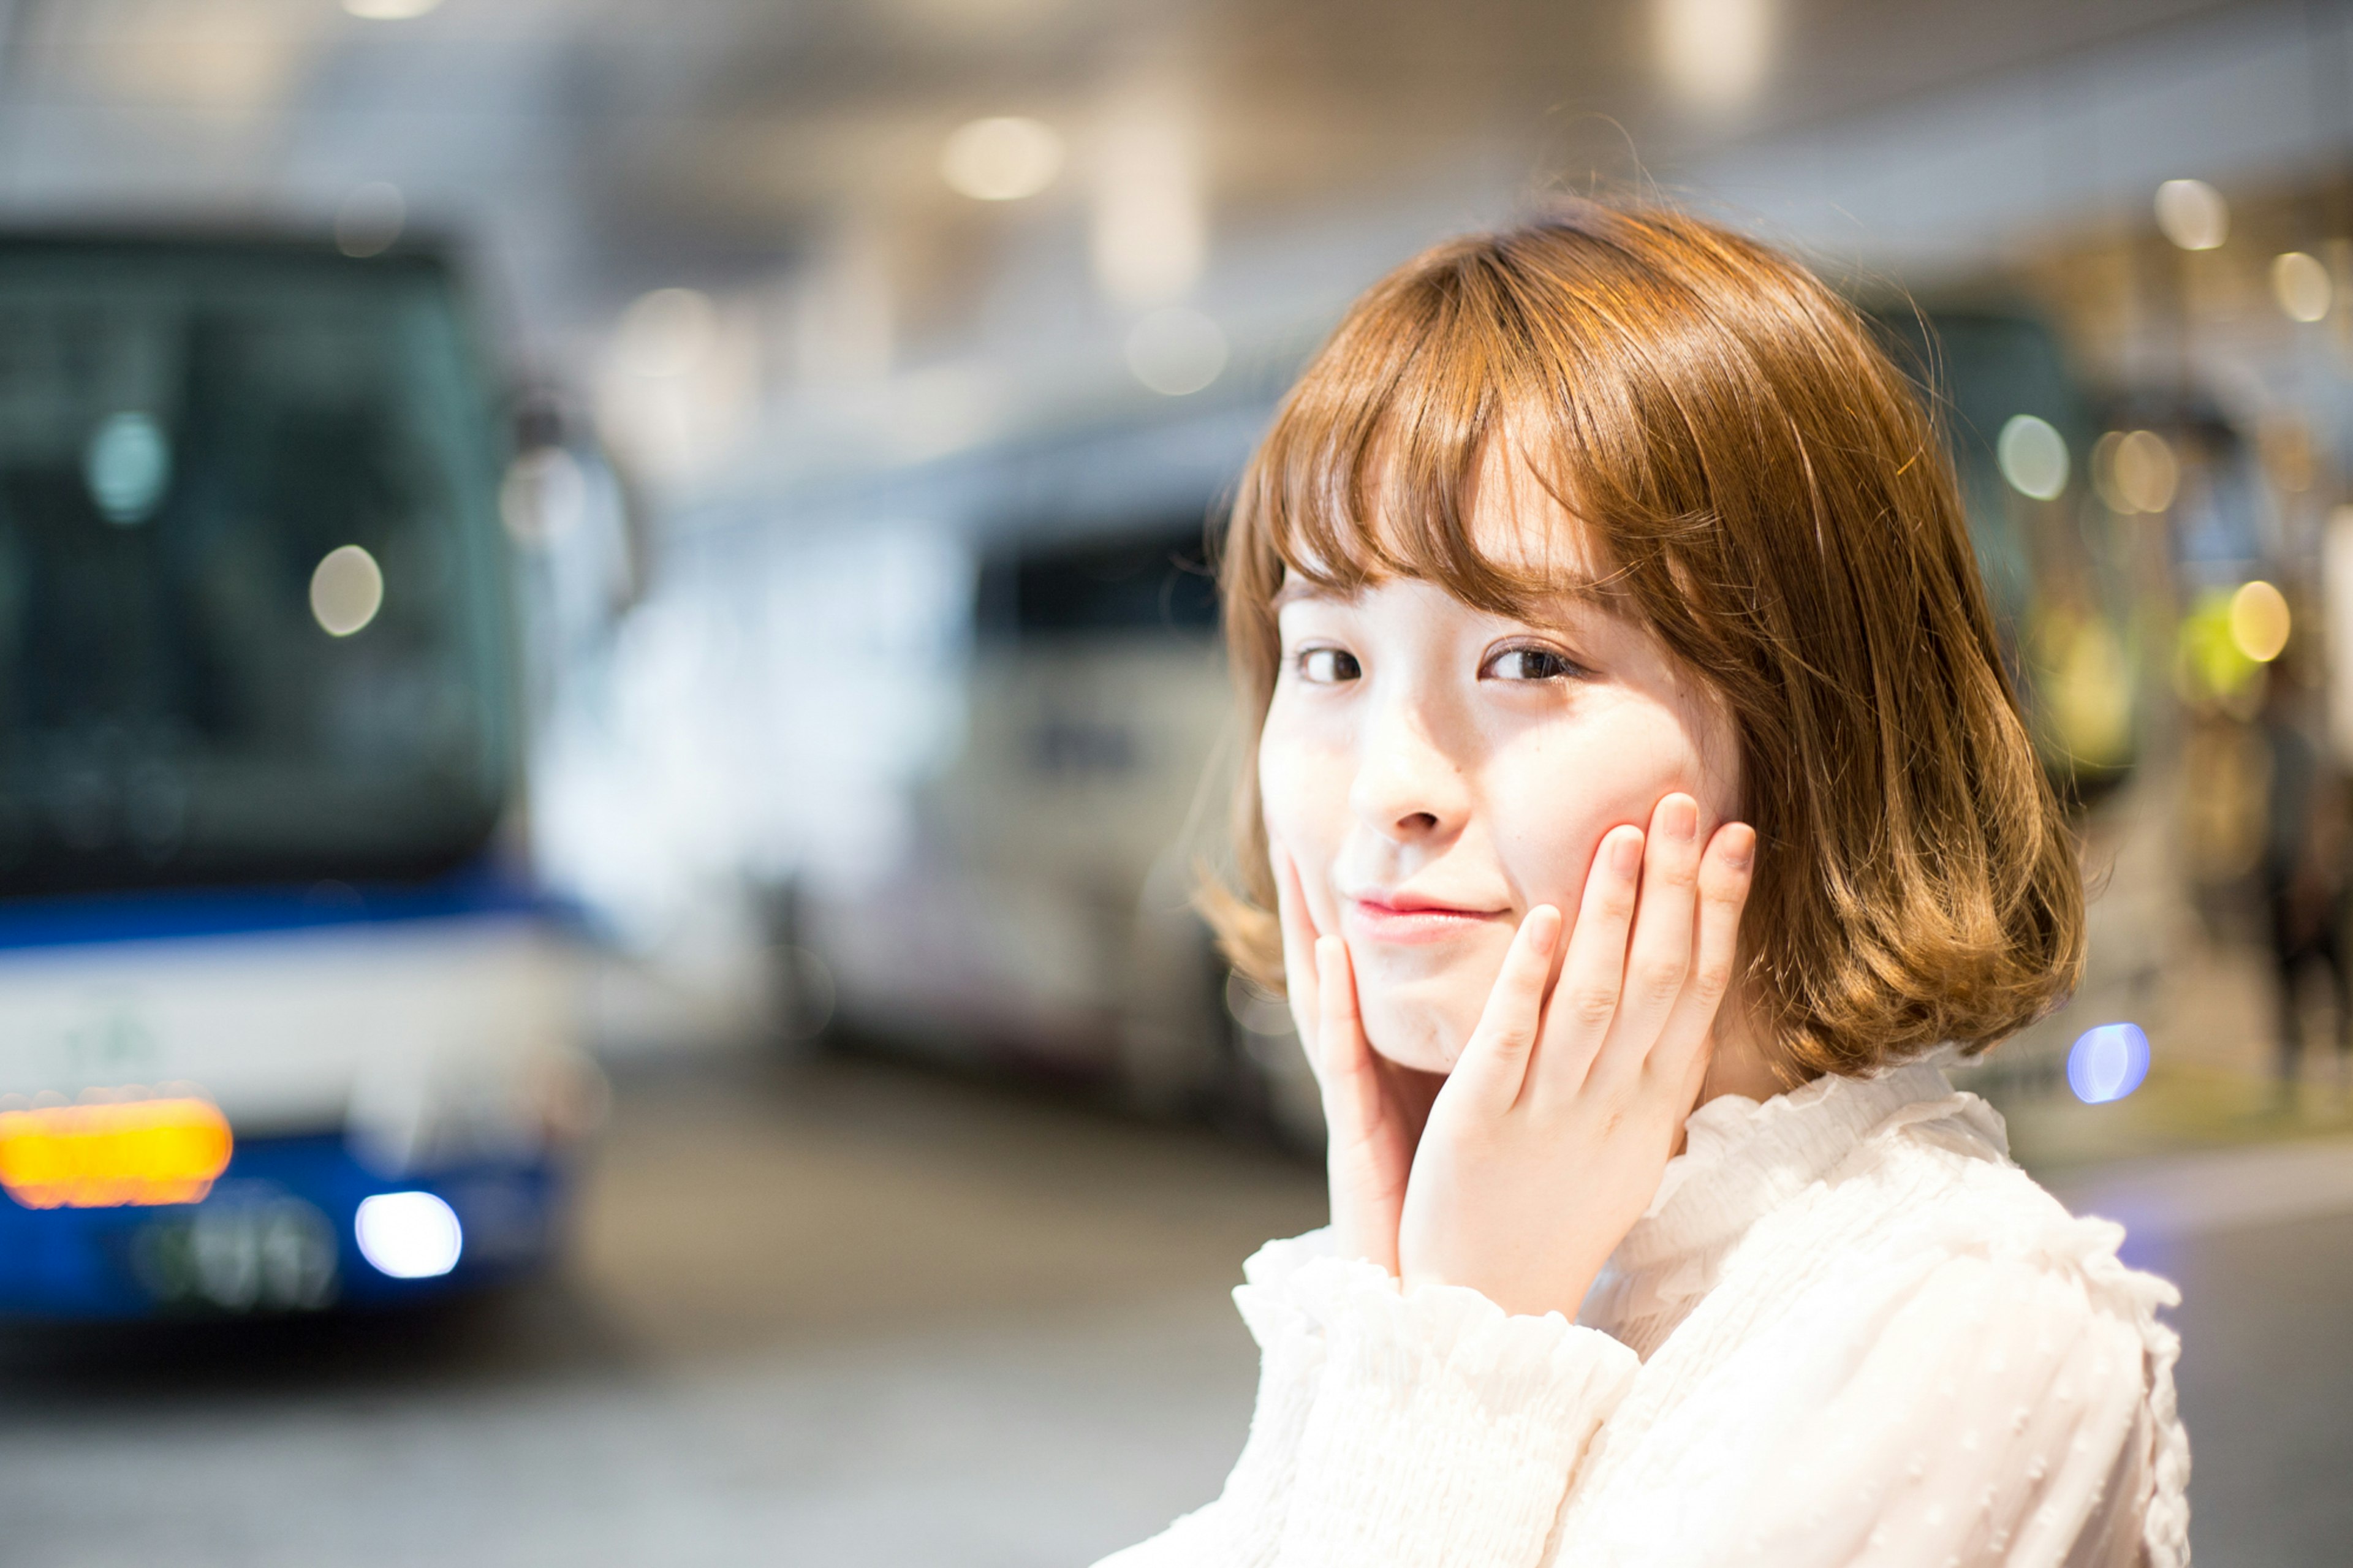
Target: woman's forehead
column 1521, row 521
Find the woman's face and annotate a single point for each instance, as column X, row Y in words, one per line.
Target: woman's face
column 1434, row 772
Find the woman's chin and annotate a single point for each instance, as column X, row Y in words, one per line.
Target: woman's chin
column 1422, row 1039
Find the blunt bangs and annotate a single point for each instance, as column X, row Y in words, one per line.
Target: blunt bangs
column 1371, row 469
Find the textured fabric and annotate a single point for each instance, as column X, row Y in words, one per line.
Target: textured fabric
column 1847, row 1330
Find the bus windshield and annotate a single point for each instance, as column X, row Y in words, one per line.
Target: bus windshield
column 252, row 595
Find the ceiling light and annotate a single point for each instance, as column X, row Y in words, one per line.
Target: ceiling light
column 1177, row 351
column 2192, row 214
column 1714, row 53
column 1002, row 159
column 2300, row 284
column 1149, row 235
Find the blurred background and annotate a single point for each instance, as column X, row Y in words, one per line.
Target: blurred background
column 609, row 705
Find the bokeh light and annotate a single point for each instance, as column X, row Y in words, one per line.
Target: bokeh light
column 1714, row 53
column 2146, row 472
column 389, row 10
column 2300, row 283
column 667, row 333
column 1001, row 158
column 127, row 464
column 2107, row 1063
column 408, row 1235
column 109, row 1152
column 2192, row 214
column 2033, row 456
column 346, row 591
column 2209, row 667
column 369, row 220
column 1148, row 230
column 543, row 497
column 1177, row 351
column 2259, row 621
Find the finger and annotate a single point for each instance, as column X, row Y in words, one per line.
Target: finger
column 1659, row 956
column 1727, row 872
column 1493, row 1066
column 1365, row 1186
column 1298, row 947
column 1343, row 1059
column 1577, row 1018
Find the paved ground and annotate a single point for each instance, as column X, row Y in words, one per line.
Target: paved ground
column 856, row 1316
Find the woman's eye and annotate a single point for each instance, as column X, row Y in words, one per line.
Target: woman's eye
column 1530, row 664
column 1327, row 666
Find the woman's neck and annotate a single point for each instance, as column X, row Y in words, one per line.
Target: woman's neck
column 1741, row 1064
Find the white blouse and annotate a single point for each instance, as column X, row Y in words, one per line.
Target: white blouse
column 1847, row 1330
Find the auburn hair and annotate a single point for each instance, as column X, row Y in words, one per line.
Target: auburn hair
column 1770, row 499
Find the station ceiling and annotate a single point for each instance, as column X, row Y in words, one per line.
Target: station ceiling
column 742, row 121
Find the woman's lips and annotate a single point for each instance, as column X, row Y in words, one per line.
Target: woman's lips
column 1370, row 919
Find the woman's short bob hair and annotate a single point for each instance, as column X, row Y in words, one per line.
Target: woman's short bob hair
column 1766, row 495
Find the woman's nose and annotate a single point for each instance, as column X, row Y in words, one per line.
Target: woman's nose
column 1408, row 785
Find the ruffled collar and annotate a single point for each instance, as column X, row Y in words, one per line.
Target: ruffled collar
column 1742, row 1160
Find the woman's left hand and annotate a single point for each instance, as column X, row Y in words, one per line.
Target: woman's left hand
column 1548, row 1139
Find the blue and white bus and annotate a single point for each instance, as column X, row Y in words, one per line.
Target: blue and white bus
column 282, row 1023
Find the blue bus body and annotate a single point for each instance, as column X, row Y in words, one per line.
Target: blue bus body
column 260, row 717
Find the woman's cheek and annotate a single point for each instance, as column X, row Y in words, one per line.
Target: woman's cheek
column 1301, row 796
column 1547, row 835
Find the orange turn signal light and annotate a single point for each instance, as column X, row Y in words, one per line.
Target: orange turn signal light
column 106, row 1156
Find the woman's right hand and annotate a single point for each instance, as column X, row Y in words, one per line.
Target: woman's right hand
column 1374, row 1110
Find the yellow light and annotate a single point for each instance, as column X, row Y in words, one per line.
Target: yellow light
column 1002, row 159
column 2259, row 621
column 2146, row 472
column 106, row 1156
column 2300, row 284
column 2192, row 214
column 1715, row 54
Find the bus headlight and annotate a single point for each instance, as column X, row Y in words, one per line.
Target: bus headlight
column 409, row 1235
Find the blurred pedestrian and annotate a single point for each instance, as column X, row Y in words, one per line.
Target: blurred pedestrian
column 1597, row 572
column 2301, row 873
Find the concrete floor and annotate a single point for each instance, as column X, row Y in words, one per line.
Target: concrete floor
column 852, row 1315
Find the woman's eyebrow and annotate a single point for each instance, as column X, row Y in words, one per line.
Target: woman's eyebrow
column 1567, row 588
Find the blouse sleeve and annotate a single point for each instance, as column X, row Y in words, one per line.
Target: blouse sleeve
column 1441, row 1430
column 1979, row 1409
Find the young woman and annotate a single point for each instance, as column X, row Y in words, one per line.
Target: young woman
column 1637, row 800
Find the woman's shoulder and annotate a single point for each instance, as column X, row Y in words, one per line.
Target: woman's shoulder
column 1927, row 1214
column 1936, row 1182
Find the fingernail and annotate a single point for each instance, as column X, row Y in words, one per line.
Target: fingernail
column 1543, row 929
column 1680, row 818
column 1740, row 847
column 1626, row 851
